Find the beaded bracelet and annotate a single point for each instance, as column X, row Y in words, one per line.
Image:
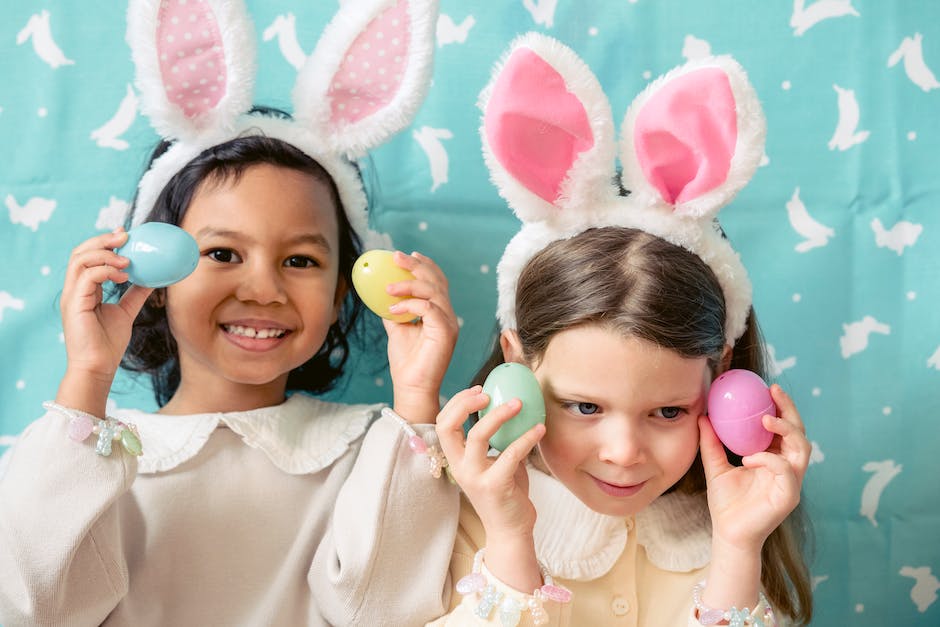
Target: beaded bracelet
column 436, row 460
column 82, row 425
column 734, row 616
column 510, row 609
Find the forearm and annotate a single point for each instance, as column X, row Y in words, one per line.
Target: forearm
column 512, row 560
column 733, row 577
column 84, row 391
column 416, row 405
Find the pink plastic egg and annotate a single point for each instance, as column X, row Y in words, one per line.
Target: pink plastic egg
column 736, row 402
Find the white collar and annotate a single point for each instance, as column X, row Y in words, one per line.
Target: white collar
column 575, row 542
column 302, row 435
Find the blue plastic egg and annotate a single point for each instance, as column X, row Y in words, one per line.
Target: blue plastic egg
column 160, row 254
column 506, row 382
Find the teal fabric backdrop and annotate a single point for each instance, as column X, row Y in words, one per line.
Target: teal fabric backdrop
column 840, row 227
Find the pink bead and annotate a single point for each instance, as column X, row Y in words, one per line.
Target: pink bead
column 80, row 427
column 556, row 593
column 474, row 582
column 417, row 444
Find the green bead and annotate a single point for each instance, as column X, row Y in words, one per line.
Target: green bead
column 131, row 442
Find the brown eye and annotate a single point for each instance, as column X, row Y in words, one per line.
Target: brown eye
column 223, row 255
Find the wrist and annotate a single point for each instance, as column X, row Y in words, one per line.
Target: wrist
column 416, row 406
column 85, row 391
column 512, row 560
column 733, row 575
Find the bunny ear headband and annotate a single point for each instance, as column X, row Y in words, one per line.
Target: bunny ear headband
column 195, row 63
column 690, row 141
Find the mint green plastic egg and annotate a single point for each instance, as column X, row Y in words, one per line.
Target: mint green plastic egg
column 373, row 270
column 508, row 381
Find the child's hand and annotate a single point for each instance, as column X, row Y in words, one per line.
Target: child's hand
column 419, row 352
column 497, row 487
column 747, row 503
column 97, row 333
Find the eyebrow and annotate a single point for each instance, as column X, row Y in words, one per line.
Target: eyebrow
column 314, row 239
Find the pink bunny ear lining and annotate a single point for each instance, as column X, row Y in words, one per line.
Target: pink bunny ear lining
column 192, row 64
column 374, row 67
column 535, row 127
column 685, row 135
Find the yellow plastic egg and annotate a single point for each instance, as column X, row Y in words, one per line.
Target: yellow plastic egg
column 371, row 273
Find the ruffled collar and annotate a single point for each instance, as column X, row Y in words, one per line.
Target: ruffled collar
column 302, row 435
column 575, row 542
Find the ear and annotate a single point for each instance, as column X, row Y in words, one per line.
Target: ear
column 512, row 346
column 368, row 74
column 342, row 289
column 693, row 138
column 157, row 298
column 547, row 132
column 195, row 63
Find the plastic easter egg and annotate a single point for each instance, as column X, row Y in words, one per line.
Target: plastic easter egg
column 736, row 402
column 371, row 273
column 160, row 254
column 508, row 381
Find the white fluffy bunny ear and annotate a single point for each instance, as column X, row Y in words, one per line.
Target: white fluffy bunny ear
column 368, row 74
column 693, row 138
column 195, row 63
column 547, row 132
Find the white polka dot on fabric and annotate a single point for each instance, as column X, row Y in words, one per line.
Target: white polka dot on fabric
column 190, row 36
column 375, row 52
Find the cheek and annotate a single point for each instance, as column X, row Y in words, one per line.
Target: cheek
column 561, row 447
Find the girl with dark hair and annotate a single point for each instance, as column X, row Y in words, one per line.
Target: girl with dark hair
column 219, row 508
column 624, row 507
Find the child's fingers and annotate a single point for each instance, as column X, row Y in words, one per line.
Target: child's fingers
column 714, row 459
column 450, row 420
column 786, row 407
column 785, row 477
column 794, row 446
column 419, row 307
column 115, row 239
column 133, row 299
column 478, row 438
column 519, row 450
column 81, row 261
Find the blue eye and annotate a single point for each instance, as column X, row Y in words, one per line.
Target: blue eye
column 587, row 408
column 669, row 412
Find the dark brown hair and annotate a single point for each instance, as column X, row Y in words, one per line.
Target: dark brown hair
column 638, row 285
column 152, row 349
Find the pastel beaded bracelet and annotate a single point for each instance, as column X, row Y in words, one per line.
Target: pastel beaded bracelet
column 82, row 425
column 734, row 616
column 510, row 609
column 437, row 463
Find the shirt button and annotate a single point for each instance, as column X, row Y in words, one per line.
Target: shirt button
column 620, row 606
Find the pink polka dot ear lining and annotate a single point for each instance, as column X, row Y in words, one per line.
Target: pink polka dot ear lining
column 364, row 81
column 191, row 60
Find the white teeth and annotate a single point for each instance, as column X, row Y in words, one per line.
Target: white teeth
column 260, row 334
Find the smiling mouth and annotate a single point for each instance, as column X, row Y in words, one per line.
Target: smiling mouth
column 615, row 490
column 254, row 333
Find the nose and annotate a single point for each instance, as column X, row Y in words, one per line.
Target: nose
column 622, row 443
column 261, row 282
